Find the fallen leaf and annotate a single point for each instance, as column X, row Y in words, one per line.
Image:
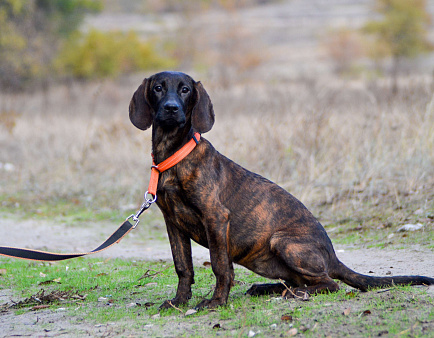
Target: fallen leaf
column 347, row 311
column 365, row 313
column 101, row 274
column 351, row 294
column 42, row 274
column 286, row 318
column 39, row 307
column 292, row 332
column 54, row 281
column 46, row 282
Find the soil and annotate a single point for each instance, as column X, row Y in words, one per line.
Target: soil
column 44, row 235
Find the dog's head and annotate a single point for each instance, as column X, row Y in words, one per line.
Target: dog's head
column 171, row 100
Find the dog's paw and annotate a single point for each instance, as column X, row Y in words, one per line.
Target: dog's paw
column 173, row 303
column 255, row 290
column 265, row 289
column 209, row 304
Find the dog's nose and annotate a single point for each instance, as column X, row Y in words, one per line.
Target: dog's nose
column 171, row 107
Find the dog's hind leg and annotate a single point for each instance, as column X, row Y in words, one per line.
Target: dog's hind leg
column 307, row 263
column 303, row 267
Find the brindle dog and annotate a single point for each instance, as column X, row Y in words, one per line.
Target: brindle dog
column 238, row 215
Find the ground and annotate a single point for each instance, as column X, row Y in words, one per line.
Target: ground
column 52, row 322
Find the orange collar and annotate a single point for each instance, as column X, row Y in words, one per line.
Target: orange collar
column 170, row 162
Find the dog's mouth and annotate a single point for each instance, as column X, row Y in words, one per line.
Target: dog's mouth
column 170, row 122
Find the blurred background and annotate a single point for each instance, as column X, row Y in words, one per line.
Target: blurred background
column 331, row 99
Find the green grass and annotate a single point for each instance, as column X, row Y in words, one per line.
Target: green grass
column 112, row 286
column 72, row 210
column 370, row 224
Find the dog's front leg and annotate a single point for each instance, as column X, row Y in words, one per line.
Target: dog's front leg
column 181, row 251
column 220, row 261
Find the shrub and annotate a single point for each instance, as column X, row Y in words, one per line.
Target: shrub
column 30, row 33
column 98, row 54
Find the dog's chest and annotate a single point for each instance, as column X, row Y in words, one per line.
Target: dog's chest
column 179, row 210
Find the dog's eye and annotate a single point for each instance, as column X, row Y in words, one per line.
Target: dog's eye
column 158, row 89
column 185, row 90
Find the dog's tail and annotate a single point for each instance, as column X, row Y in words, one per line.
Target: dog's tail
column 364, row 282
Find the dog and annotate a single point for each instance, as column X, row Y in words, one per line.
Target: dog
column 238, row 215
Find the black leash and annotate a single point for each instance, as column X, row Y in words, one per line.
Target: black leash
column 125, row 227
column 116, row 237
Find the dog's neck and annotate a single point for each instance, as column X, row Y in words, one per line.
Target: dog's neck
column 166, row 143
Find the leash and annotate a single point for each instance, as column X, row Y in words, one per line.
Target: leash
column 125, row 227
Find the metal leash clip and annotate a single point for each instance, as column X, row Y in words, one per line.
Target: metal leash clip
column 148, row 202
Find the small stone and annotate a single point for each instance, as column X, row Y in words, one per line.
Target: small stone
column 411, row 227
column 292, row 332
column 190, row 312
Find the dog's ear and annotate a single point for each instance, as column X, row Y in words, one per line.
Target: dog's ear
column 141, row 114
column 202, row 117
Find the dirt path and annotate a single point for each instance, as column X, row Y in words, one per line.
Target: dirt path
column 45, row 235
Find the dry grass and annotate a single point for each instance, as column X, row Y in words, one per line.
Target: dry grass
column 321, row 140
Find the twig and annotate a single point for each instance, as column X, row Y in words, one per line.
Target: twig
column 170, row 303
column 406, row 331
column 289, row 289
column 146, row 274
column 384, row 290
